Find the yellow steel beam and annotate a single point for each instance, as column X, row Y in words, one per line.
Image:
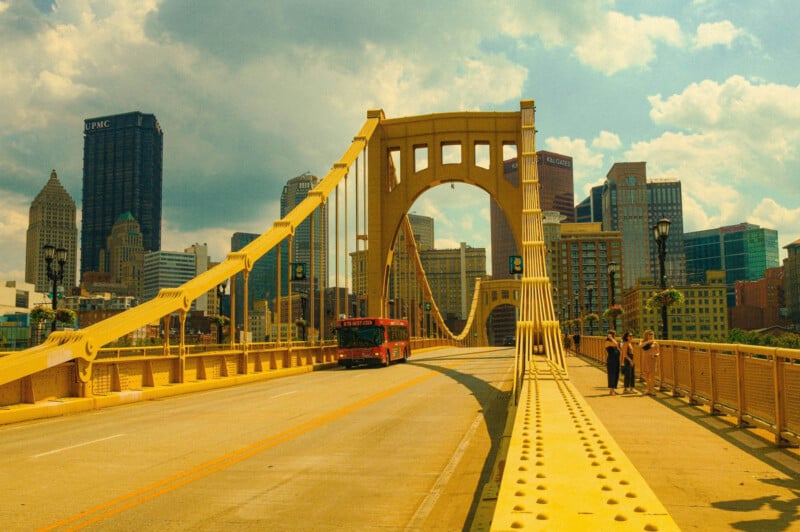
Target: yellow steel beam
column 83, row 344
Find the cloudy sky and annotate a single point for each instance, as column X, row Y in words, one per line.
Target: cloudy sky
column 250, row 94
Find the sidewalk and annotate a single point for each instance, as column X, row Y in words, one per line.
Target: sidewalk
column 709, row 474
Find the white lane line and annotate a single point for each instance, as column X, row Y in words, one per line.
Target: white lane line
column 427, row 505
column 54, row 451
column 424, row 509
column 282, row 394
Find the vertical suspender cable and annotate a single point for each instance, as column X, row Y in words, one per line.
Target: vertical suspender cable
column 311, row 283
column 347, row 278
column 290, row 304
column 364, row 213
column 337, row 306
column 278, row 316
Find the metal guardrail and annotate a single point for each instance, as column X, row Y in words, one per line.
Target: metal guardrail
column 755, row 384
column 127, row 370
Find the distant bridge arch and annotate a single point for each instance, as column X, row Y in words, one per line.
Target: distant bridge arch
column 432, row 150
column 492, row 295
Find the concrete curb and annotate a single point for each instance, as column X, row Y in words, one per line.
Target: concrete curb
column 72, row 405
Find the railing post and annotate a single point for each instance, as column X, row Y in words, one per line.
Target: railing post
column 182, row 349
column 740, row 387
column 778, row 391
column 712, row 355
column 167, row 324
column 692, row 383
column 675, row 392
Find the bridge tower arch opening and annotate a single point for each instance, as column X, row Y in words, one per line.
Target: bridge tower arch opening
column 453, row 262
column 409, row 156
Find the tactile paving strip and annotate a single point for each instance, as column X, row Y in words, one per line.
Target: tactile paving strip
column 564, row 471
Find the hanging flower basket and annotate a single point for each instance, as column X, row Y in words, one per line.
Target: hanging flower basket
column 665, row 298
column 66, row 316
column 613, row 312
column 220, row 321
column 592, row 318
column 40, row 314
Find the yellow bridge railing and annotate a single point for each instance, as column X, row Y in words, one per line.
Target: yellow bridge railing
column 758, row 385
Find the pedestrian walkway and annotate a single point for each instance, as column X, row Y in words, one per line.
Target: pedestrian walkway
column 708, row 473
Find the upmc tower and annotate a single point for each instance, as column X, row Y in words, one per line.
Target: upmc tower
column 122, row 172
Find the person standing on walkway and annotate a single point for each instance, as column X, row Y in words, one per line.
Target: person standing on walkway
column 628, row 368
column 612, row 361
column 650, row 354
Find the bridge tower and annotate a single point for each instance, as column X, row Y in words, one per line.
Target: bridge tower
column 408, row 156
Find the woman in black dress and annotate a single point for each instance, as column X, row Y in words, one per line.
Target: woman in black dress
column 628, row 368
column 612, row 361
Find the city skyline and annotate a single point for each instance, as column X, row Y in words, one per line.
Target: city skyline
column 256, row 95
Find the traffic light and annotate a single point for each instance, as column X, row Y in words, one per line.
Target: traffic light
column 514, row 264
column 298, row 271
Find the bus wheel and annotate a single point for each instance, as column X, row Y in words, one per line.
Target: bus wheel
column 348, row 365
column 405, row 356
column 388, row 360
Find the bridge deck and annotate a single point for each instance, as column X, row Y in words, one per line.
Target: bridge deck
column 707, row 473
column 564, row 471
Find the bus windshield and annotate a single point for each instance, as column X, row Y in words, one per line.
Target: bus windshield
column 360, row 336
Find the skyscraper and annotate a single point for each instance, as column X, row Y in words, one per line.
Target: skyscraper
column 503, row 244
column 625, row 209
column 791, row 280
column 122, row 172
column 633, row 205
column 294, row 192
column 744, row 251
column 51, row 220
column 123, row 256
column 262, row 280
column 167, row 269
column 664, row 200
column 556, row 191
column 583, row 252
column 591, row 208
column 200, row 252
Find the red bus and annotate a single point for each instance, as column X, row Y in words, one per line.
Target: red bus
column 372, row 341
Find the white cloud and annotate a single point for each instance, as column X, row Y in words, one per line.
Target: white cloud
column 13, row 234
column 587, row 164
column 621, row 42
column 769, row 213
column 717, row 33
column 607, row 141
column 248, row 99
column 734, row 146
column 742, row 131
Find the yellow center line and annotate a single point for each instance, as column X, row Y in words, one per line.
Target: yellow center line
column 142, row 495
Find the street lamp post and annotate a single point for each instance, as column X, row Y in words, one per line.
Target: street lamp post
column 220, row 296
column 612, row 273
column 661, row 232
column 579, row 324
column 55, row 274
column 590, row 291
column 304, row 334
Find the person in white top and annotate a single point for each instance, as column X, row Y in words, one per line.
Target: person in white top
column 650, row 353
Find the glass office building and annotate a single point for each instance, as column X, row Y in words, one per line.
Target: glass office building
column 744, row 251
column 122, row 172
